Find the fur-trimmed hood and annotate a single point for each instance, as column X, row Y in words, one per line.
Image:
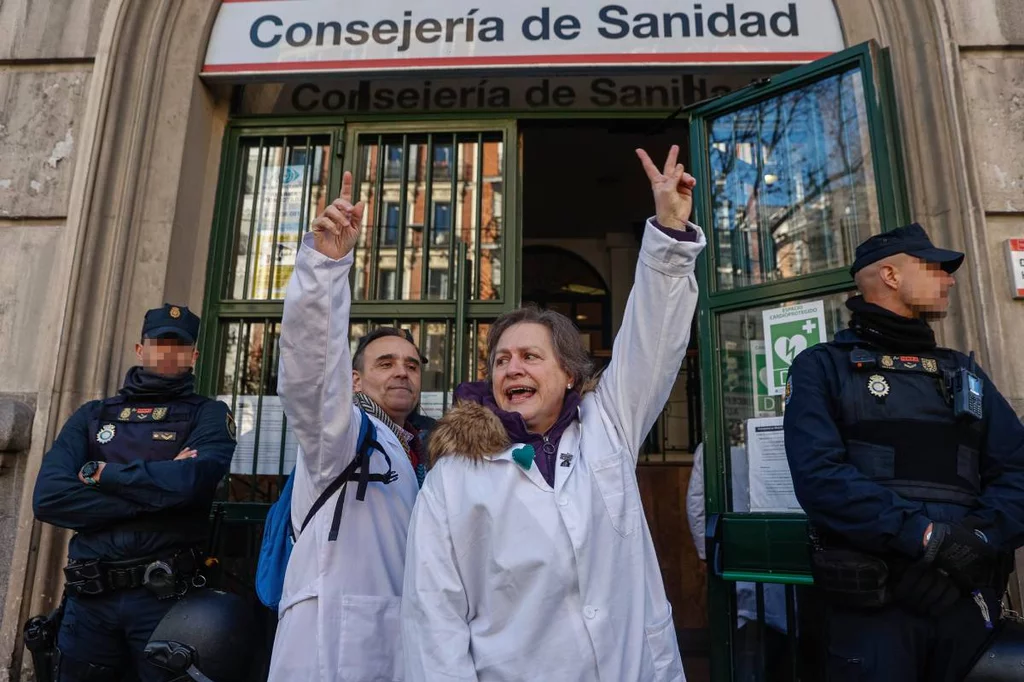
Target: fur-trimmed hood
column 472, row 430
column 469, row 429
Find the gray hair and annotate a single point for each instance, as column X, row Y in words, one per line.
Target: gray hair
column 565, row 337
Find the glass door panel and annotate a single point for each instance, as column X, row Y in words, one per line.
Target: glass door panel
column 792, row 175
column 792, row 183
column 424, row 192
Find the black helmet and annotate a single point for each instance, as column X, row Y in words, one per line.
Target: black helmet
column 1003, row 656
column 208, row 636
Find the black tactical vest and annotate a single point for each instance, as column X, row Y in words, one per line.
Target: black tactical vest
column 124, row 430
column 896, row 419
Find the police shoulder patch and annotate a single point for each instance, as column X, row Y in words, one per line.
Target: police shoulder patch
column 230, row 422
column 789, row 391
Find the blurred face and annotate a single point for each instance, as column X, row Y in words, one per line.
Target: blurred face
column 166, row 357
column 924, row 287
column 527, row 377
column 390, row 375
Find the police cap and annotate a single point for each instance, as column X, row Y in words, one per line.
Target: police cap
column 175, row 321
column 909, row 239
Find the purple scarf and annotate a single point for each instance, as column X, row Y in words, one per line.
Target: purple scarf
column 545, row 446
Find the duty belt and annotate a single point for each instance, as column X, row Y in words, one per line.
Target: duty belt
column 164, row 576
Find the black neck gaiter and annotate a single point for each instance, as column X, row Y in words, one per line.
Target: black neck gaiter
column 888, row 330
column 140, row 384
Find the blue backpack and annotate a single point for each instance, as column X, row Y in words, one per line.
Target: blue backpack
column 279, row 536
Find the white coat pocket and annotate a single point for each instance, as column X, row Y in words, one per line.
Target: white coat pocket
column 370, row 639
column 661, row 638
column 619, row 491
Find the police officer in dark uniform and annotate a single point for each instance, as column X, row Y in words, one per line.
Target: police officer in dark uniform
column 910, row 466
column 134, row 476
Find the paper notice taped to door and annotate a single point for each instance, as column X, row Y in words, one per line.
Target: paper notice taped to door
column 771, row 485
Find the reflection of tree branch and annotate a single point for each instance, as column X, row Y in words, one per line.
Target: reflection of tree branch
column 782, row 120
column 779, row 219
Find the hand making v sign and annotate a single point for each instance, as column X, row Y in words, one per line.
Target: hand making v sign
column 672, row 188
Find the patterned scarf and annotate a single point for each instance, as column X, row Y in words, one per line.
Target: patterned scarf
column 370, row 407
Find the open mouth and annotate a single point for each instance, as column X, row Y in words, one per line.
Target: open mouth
column 519, row 394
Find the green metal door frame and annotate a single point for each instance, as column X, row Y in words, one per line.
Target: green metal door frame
column 771, row 548
column 219, row 307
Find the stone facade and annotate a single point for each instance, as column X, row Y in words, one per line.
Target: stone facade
column 109, row 150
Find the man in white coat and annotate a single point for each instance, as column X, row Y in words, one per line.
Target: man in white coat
column 339, row 611
column 529, row 555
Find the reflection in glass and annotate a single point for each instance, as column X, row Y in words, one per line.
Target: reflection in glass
column 466, row 194
column 431, row 190
column 792, row 187
column 488, row 280
column 369, row 179
column 744, row 382
column 248, row 384
column 479, row 367
column 284, row 187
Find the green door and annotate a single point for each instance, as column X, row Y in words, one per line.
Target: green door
column 793, row 173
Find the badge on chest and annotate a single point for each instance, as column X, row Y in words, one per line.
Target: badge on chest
column 106, row 434
column 878, row 386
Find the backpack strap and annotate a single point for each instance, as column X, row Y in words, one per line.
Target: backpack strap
column 358, row 470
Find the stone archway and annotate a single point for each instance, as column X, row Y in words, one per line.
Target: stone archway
column 142, row 205
column 139, row 220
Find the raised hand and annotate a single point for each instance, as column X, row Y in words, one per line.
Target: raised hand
column 336, row 230
column 672, row 188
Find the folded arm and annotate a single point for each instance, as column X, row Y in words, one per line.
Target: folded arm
column 156, row 486
column 60, row 498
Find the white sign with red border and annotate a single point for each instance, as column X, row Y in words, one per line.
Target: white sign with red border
column 1015, row 262
column 258, row 37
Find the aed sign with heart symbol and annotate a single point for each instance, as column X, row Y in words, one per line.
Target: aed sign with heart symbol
column 787, row 332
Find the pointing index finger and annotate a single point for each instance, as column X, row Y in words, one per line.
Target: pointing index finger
column 346, row 187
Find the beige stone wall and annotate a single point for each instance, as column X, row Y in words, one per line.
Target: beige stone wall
column 47, row 52
column 990, row 37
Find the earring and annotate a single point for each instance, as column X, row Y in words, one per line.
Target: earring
column 569, row 387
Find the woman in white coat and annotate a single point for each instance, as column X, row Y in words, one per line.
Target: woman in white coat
column 529, row 557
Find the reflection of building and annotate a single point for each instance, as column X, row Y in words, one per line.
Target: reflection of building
column 417, row 213
column 793, row 180
column 282, row 193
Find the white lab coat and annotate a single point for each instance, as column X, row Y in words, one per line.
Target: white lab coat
column 509, row 579
column 339, row 614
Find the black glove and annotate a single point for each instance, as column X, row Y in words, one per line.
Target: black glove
column 925, row 590
column 958, row 550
